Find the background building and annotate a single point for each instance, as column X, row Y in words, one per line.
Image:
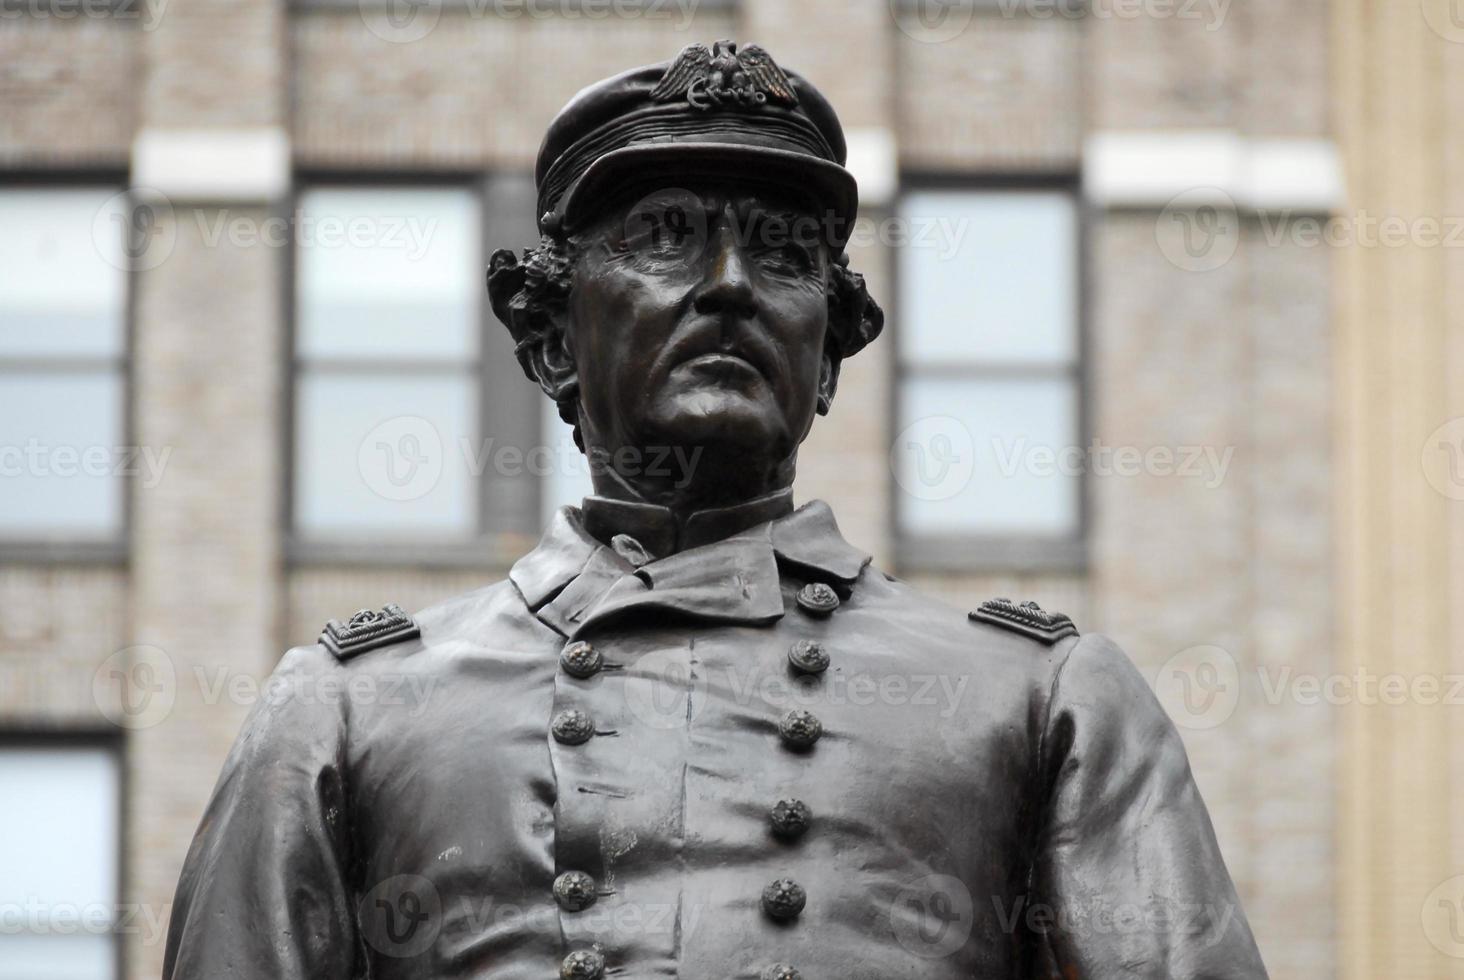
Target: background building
column 1174, row 345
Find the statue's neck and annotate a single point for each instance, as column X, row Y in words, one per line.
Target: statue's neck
column 687, row 480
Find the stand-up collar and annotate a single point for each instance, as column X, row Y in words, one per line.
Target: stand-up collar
column 658, row 530
column 572, row 580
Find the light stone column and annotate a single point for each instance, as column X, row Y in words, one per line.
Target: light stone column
column 1400, row 520
column 212, row 160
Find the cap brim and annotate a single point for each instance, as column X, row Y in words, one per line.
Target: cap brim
column 831, row 186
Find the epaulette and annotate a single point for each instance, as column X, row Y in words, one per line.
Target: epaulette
column 367, row 630
column 1026, row 618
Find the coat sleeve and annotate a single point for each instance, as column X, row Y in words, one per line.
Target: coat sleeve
column 1127, row 870
column 263, row 894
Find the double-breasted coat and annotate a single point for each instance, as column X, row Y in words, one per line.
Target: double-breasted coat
column 757, row 756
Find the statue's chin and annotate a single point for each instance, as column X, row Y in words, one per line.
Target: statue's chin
column 721, row 419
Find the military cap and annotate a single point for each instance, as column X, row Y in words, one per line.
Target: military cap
column 723, row 111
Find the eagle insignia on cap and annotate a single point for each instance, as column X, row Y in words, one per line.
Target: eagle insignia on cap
column 722, row 75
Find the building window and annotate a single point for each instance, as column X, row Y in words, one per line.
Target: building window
column 59, row 841
column 989, row 397
column 414, row 424
column 63, row 288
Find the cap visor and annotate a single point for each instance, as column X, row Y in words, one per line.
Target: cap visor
column 830, row 186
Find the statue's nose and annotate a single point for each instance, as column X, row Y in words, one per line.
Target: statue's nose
column 727, row 285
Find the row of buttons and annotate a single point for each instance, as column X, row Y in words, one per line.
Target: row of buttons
column 782, row 899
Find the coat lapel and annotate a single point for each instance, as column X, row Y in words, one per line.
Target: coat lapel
column 571, row 582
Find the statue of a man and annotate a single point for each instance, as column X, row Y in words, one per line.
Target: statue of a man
column 695, row 734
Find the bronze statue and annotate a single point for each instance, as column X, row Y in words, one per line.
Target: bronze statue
column 696, row 734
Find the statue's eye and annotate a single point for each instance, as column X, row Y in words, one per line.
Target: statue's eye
column 658, row 230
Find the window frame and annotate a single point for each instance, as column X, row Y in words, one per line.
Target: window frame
column 998, row 553
column 111, row 549
column 504, row 529
column 112, row 743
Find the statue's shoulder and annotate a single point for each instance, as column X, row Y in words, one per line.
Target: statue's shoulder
column 391, row 626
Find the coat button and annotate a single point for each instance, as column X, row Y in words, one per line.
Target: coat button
column 790, row 818
column 781, row 971
column 783, row 899
column 572, row 727
column 800, row 729
column 808, row 657
column 580, row 659
column 574, row 891
column 583, row 964
column 818, row 599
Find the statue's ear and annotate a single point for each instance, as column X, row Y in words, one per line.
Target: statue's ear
column 828, row 377
column 855, row 319
column 531, row 298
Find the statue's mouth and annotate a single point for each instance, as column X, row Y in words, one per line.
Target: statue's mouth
column 723, row 367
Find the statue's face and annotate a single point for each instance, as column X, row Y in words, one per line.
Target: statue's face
column 698, row 318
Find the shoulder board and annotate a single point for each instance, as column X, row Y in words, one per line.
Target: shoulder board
column 1026, row 618
column 367, row 630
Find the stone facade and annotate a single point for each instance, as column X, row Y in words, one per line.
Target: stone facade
column 1238, row 358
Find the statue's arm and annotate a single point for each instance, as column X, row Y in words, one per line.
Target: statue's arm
column 1127, row 860
column 263, row 893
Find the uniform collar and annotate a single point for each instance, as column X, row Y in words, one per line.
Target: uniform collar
column 572, row 581
column 658, row 530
